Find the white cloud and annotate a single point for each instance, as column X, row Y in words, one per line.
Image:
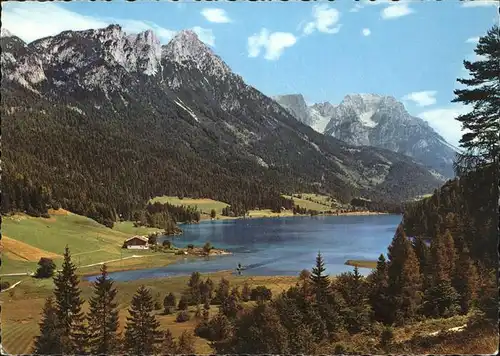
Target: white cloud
column 361, row 4
column 29, row 22
column 215, row 15
column 366, row 32
column 395, row 11
column 325, row 20
column 205, row 35
column 479, row 3
column 272, row 43
column 473, row 40
column 422, row 98
column 443, row 121
column 356, row 8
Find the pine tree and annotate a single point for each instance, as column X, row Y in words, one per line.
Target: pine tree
column 466, row 281
column 69, row 308
column 305, row 282
column 257, row 332
column 141, row 330
column 49, row 340
column 245, row 292
column 443, row 257
column 194, row 295
column 169, row 303
column 481, row 140
column 183, row 303
column 354, row 309
column 219, row 328
column 449, row 250
column 103, row 316
column 404, row 278
column 378, row 285
column 222, row 291
column 230, row 306
column 441, row 300
column 487, row 302
column 168, row 346
column 320, row 282
column 423, row 254
column 185, row 344
column 300, row 337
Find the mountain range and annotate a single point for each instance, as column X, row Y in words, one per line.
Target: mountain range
column 100, row 118
column 379, row 121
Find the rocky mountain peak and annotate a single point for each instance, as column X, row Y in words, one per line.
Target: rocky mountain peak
column 186, row 48
column 296, row 105
column 325, row 109
column 375, row 120
column 5, row 33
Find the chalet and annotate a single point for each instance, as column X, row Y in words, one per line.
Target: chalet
column 137, row 243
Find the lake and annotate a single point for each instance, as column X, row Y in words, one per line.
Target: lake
column 279, row 246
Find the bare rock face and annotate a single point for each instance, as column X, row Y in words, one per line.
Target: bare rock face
column 378, row 121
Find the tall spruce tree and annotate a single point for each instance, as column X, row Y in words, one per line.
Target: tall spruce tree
column 404, row 278
column 168, row 346
column 466, row 281
column 481, row 141
column 185, row 344
column 355, row 310
column 69, row 308
column 49, row 340
column 449, row 250
column 305, row 282
column 320, row 281
column 257, row 332
column 423, row 254
column 103, row 316
column 194, row 292
column 141, row 331
column 378, row 289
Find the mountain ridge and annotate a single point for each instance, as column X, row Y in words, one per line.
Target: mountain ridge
column 380, row 121
column 173, row 126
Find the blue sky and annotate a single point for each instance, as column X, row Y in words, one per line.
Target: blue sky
column 412, row 50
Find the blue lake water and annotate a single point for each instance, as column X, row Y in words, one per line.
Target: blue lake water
column 281, row 246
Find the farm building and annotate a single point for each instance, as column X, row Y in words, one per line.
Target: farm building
column 137, row 243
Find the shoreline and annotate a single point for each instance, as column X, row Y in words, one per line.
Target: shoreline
column 278, row 215
column 176, row 259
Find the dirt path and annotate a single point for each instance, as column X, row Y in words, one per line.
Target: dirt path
column 90, row 265
column 11, row 287
column 17, row 274
column 453, row 330
column 109, row 261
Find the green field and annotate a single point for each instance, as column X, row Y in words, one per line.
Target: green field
column 26, row 239
column 205, row 206
column 128, row 228
column 319, row 203
column 362, row 263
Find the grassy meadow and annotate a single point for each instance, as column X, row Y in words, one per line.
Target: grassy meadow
column 205, row 206
column 316, row 202
column 362, row 263
column 25, row 239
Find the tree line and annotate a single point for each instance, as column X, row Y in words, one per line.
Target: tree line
column 65, row 329
column 314, row 316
